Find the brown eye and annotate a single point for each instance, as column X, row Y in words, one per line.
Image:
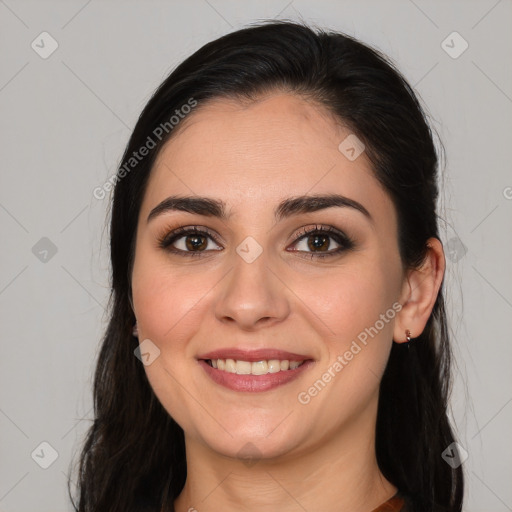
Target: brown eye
column 195, row 242
column 188, row 241
column 317, row 241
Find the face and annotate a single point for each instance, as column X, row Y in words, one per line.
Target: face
column 266, row 282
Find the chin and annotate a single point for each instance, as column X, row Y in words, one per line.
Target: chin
column 252, row 441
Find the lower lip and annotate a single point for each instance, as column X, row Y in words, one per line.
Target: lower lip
column 254, row 383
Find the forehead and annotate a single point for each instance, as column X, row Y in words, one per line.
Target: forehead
column 254, row 154
column 271, row 126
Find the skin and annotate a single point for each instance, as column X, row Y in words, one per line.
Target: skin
column 314, row 456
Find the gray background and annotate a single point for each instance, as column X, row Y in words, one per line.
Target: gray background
column 64, row 123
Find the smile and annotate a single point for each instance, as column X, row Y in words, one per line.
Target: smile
column 253, row 370
column 241, row 367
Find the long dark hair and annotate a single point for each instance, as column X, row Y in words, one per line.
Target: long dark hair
column 134, row 453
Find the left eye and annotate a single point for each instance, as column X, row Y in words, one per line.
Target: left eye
column 315, row 242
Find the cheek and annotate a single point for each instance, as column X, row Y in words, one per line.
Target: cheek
column 166, row 296
column 168, row 306
column 165, row 304
column 362, row 317
column 353, row 301
column 359, row 307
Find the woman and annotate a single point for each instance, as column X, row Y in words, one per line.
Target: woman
column 278, row 338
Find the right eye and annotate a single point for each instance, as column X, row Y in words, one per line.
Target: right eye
column 192, row 241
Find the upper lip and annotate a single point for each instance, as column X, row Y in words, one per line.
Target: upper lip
column 263, row 354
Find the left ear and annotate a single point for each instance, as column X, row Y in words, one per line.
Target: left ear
column 419, row 293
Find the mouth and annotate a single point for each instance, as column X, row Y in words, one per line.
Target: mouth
column 241, row 367
column 255, row 370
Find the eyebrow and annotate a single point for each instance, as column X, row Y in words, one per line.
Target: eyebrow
column 210, row 207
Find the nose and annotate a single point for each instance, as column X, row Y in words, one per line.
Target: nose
column 252, row 295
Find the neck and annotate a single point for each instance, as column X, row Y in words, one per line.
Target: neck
column 339, row 473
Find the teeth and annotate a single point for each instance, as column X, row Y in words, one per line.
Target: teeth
column 254, row 368
column 259, row 368
column 274, row 366
column 243, row 367
column 230, row 365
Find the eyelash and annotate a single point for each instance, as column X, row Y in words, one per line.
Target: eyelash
column 346, row 243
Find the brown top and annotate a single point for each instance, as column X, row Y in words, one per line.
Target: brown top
column 394, row 504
